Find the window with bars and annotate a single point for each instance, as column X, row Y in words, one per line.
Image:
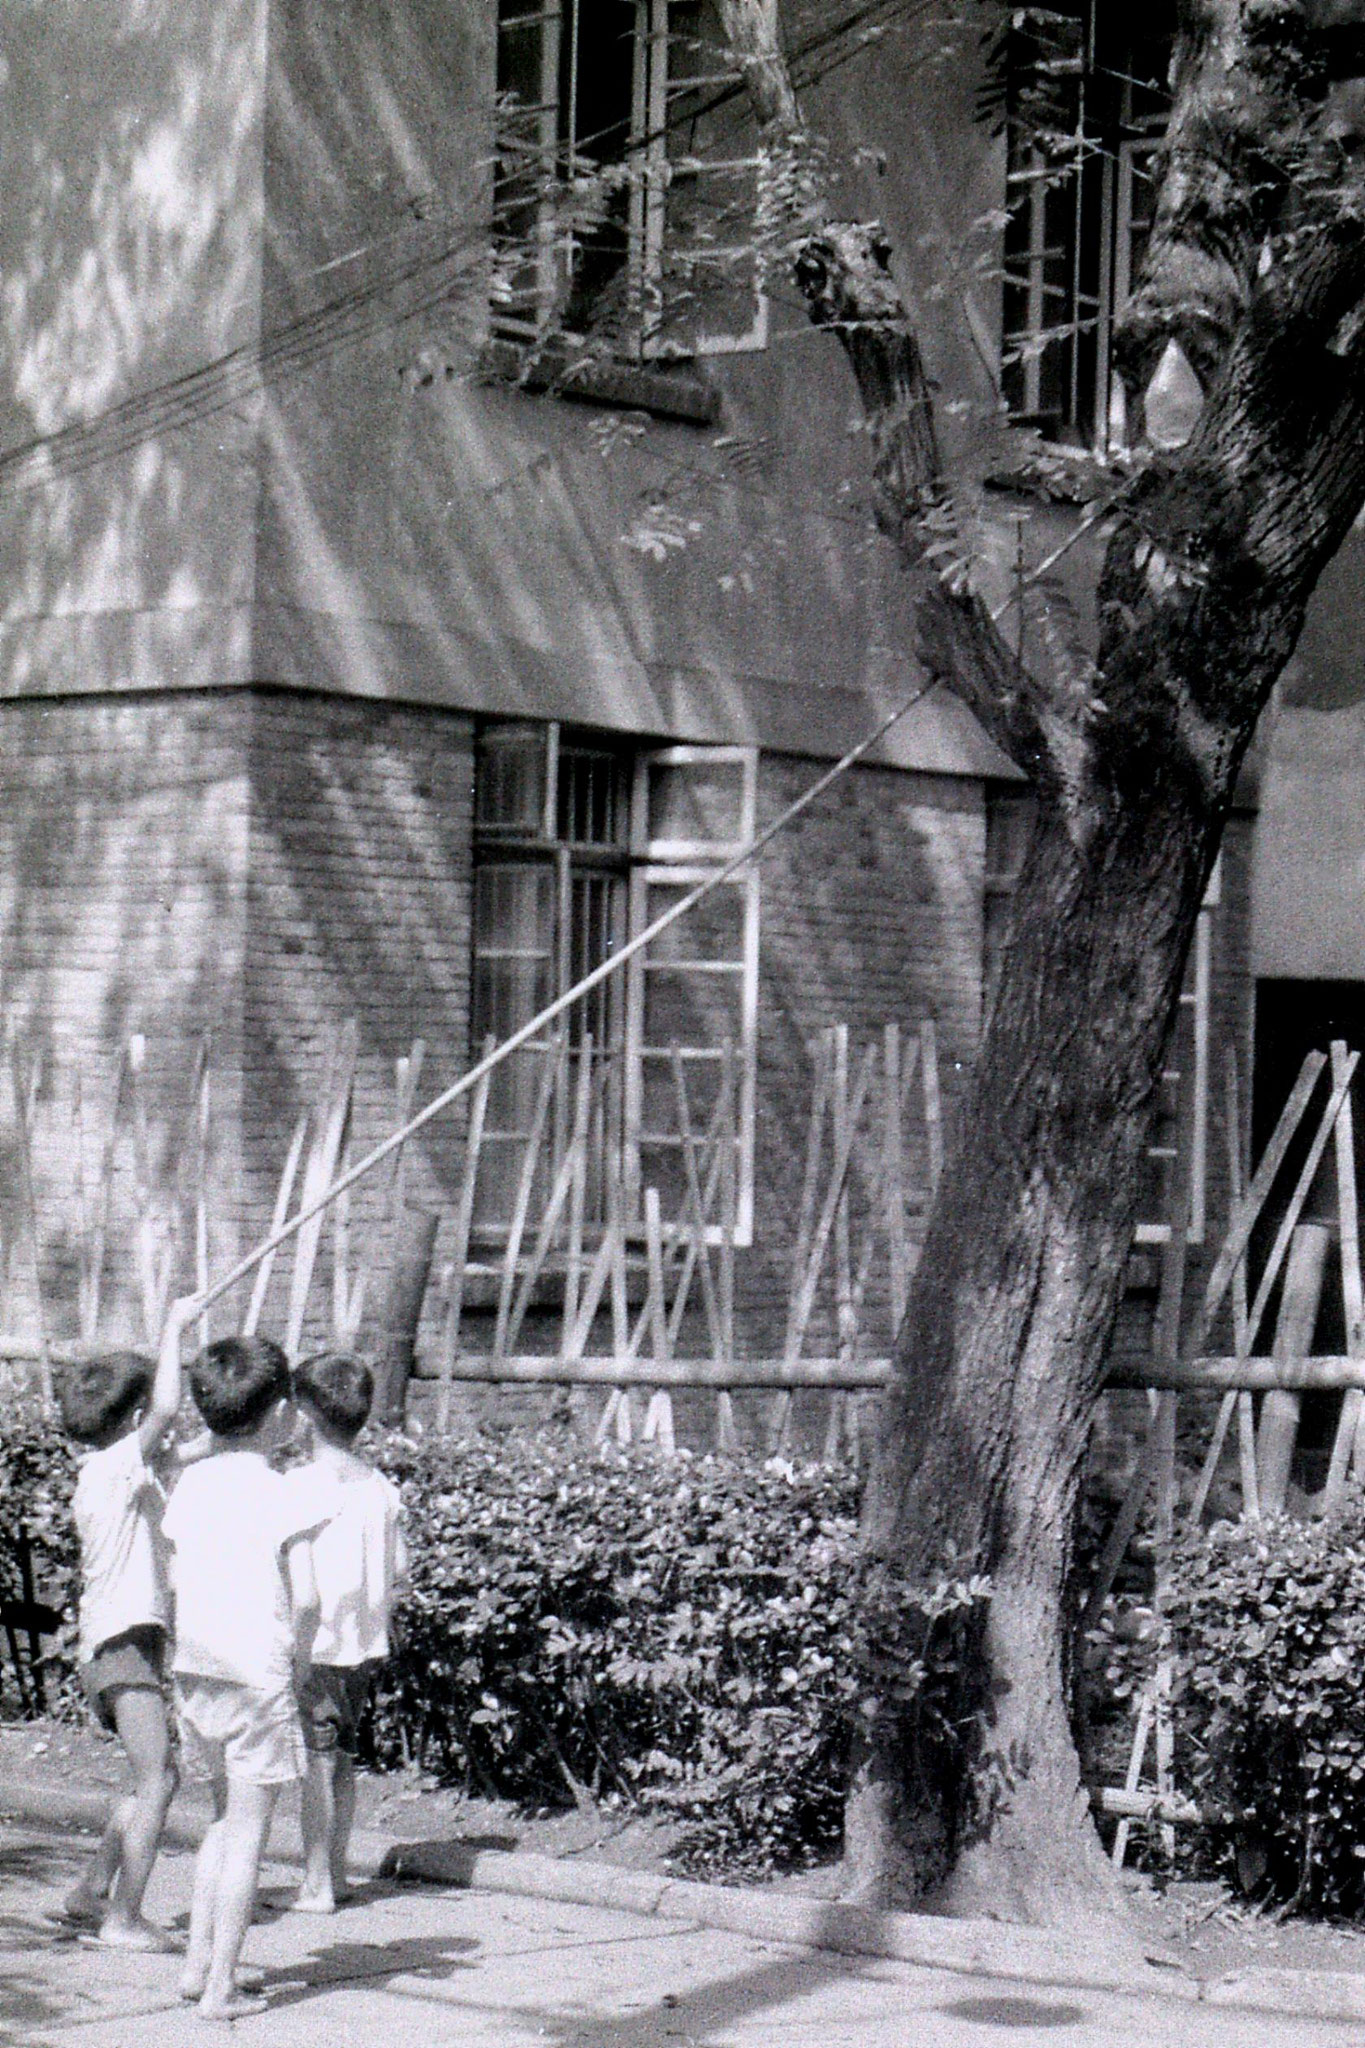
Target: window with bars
column 580, row 841
column 627, row 187
column 1086, row 107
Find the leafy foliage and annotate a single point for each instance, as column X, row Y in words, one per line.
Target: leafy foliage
column 37, row 1478
column 689, row 1634
column 686, row 1631
column 1269, row 1629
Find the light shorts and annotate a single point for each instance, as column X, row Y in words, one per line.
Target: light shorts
column 235, row 1732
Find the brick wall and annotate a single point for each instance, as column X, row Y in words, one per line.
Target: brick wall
column 252, row 864
column 262, row 864
column 123, row 836
column 359, row 904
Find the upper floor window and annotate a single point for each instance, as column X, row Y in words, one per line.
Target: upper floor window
column 1086, row 103
column 627, row 186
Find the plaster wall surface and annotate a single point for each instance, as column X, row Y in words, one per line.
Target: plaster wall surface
column 426, row 536
column 1309, row 909
column 130, row 265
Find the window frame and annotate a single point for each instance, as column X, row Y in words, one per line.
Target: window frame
column 681, row 863
column 1092, row 179
column 1196, row 997
column 640, row 864
column 651, row 171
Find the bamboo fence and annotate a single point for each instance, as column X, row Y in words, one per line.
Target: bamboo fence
column 642, row 1278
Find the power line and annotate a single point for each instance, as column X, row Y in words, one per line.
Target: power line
column 416, row 286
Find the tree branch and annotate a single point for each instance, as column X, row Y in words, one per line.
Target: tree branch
column 843, row 271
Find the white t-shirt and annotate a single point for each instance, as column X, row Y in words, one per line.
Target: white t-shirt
column 358, row 1560
column 230, row 1520
column 117, row 1507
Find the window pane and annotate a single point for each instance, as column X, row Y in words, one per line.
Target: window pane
column 513, row 946
column 695, row 802
column 510, row 779
column 597, row 126
column 703, row 1073
column 592, row 801
column 597, row 916
column 712, row 931
column 1084, row 90
column 686, row 1008
column 542, row 924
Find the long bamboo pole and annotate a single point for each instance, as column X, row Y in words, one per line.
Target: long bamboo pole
column 518, row 1038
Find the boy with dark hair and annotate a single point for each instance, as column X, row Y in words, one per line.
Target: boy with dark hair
column 232, row 1521
column 357, row 1562
column 121, row 1411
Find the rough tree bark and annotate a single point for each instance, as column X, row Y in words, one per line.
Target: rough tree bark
column 1257, row 271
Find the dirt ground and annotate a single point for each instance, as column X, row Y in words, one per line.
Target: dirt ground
column 1203, row 1927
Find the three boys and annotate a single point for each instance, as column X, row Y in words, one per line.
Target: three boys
column 235, row 1544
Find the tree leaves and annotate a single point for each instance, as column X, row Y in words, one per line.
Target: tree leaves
column 1269, row 1622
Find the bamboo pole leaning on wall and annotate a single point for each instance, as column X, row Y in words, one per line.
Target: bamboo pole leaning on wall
column 459, row 1253
column 1348, row 1435
column 536, row 1026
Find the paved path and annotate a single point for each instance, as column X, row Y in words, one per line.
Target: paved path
column 423, row 1967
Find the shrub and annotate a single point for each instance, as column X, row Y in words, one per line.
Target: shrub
column 687, row 1633
column 37, row 1476
column 1269, row 1628
column 684, row 1630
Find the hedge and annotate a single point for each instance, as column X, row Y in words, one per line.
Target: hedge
column 1269, row 1630
column 683, row 1632
column 691, row 1634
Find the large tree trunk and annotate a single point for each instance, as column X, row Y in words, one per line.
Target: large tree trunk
column 985, row 1428
column 1256, row 268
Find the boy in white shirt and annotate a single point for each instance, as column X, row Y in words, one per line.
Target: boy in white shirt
column 231, row 1521
column 357, row 1564
column 116, row 1407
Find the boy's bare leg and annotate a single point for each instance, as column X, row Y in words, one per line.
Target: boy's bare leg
column 317, row 1824
column 194, row 1976
column 88, row 1899
column 243, row 1831
column 343, row 1797
column 140, row 1715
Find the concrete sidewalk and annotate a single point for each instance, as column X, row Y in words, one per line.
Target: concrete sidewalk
column 431, row 1966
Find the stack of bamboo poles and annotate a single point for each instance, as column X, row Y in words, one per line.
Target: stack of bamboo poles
column 594, row 1253
column 825, row 1221
column 857, row 1196
column 660, row 1281
column 1265, row 1442
column 95, row 1119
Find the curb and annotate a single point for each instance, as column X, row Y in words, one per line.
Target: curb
column 976, row 1948
column 57, row 1806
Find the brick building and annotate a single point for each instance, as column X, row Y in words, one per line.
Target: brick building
column 368, row 650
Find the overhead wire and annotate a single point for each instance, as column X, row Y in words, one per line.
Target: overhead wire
column 414, row 287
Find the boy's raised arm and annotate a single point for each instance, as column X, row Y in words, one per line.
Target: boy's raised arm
column 164, row 1405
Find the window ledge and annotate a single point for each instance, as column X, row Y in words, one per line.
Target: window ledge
column 669, row 394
